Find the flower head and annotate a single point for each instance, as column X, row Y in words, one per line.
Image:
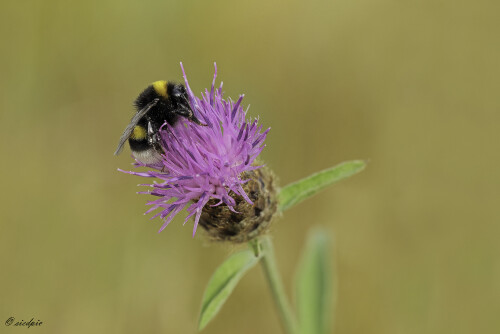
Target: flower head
column 207, row 166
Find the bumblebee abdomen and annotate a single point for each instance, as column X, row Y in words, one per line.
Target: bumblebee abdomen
column 139, row 133
column 138, row 140
column 147, row 156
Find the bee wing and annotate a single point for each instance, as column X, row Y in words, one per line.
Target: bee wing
column 133, row 122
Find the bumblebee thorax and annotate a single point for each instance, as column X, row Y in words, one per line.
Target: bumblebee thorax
column 160, row 87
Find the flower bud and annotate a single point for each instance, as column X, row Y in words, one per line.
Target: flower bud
column 250, row 220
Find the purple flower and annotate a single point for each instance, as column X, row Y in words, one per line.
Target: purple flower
column 202, row 163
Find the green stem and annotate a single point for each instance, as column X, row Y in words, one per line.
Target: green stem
column 268, row 262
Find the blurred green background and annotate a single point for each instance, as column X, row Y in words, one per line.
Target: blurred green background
column 413, row 86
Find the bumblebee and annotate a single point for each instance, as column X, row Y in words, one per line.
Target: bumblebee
column 160, row 102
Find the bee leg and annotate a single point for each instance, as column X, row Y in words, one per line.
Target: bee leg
column 154, row 139
column 188, row 113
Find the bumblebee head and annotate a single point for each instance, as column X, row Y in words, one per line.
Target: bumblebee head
column 177, row 92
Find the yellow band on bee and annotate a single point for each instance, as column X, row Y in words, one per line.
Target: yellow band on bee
column 160, row 87
column 138, row 133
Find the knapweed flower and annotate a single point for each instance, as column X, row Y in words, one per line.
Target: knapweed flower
column 212, row 170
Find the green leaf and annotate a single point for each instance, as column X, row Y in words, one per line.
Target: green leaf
column 223, row 282
column 314, row 285
column 298, row 191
